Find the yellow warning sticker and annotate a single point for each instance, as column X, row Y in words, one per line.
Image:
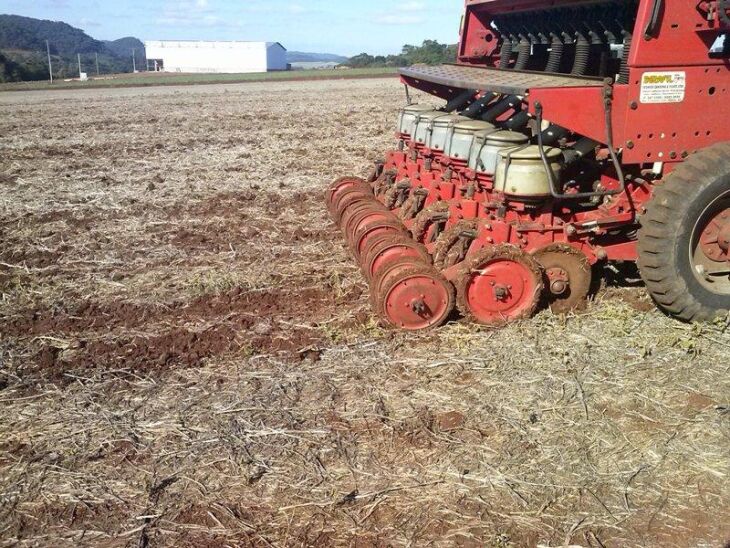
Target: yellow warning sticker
column 663, row 87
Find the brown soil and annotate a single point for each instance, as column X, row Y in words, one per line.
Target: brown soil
column 187, row 354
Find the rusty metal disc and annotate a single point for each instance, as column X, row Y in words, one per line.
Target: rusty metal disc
column 389, row 248
column 567, row 277
column 430, row 222
column 371, row 230
column 356, row 209
column 499, row 284
column 349, row 198
column 390, row 269
column 415, row 299
column 365, row 217
column 337, row 187
column 453, row 244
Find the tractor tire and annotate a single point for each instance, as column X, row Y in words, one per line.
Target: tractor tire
column 669, row 239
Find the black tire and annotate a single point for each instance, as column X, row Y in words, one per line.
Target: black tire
column 666, row 234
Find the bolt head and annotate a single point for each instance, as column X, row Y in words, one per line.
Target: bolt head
column 558, row 287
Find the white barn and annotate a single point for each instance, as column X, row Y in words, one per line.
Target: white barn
column 214, row 57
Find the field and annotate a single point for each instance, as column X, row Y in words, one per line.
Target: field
column 144, row 79
column 187, row 355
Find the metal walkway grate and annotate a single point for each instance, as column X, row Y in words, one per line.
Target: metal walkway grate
column 492, row 79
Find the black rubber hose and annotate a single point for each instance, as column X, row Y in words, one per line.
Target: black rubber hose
column 623, row 77
column 479, row 106
column 552, row 134
column 556, row 54
column 518, row 121
column 494, row 112
column 582, row 54
column 505, row 53
column 523, row 54
column 583, row 147
column 462, row 100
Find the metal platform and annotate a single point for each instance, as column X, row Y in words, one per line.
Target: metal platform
column 491, row 79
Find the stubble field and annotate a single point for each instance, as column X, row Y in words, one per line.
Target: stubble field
column 187, row 355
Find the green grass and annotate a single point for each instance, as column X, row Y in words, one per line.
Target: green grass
column 172, row 79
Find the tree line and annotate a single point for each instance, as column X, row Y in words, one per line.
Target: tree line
column 431, row 52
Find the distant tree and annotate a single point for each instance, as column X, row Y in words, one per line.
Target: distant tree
column 362, row 60
column 431, row 52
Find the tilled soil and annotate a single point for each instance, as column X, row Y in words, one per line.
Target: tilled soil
column 187, row 354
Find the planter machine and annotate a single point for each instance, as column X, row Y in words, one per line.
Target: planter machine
column 574, row 132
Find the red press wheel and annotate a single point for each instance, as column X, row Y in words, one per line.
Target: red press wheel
column 391, row 248
column 341, row 184
column 362, row 239
column 390, row 270
column 499, row 284
column 365, row 217
column 415, row 299
column 354, row 211
column 349, row 198
column 567, row 277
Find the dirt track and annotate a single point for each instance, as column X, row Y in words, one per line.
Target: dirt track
column 187, row 355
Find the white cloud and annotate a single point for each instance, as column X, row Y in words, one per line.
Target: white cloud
column 411, row 12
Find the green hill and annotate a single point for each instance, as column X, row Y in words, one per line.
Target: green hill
column 23, row 50
column 124, row 46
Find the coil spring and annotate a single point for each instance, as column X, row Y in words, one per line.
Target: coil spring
column 582, row 53
column 505, row 53
column 556, row 55
column 624, row 74
column 523, row 54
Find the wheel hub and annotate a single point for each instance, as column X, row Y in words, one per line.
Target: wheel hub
column 559, row 281
column 715, row 238
column 710, row 247
column 418, row 306
column 723, row 239
column 501, row 292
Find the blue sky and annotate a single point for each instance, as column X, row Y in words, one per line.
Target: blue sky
column 346, row 27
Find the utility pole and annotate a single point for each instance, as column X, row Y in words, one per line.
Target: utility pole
column 50, row 67
column 79, row 56
column 97, row 64
column 134, row 62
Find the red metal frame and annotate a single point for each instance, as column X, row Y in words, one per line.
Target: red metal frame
column 460, row 220
column 648, row 133
column 645, row 132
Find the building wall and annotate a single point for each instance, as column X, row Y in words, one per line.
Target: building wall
column 212, row 57
column 276, row 56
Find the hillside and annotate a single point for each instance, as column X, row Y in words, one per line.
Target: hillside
column 26, row 33
column 303, row 57
column 124, row 46
column 23, row 50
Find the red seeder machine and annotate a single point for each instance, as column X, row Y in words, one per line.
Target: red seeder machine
column 574, row 132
